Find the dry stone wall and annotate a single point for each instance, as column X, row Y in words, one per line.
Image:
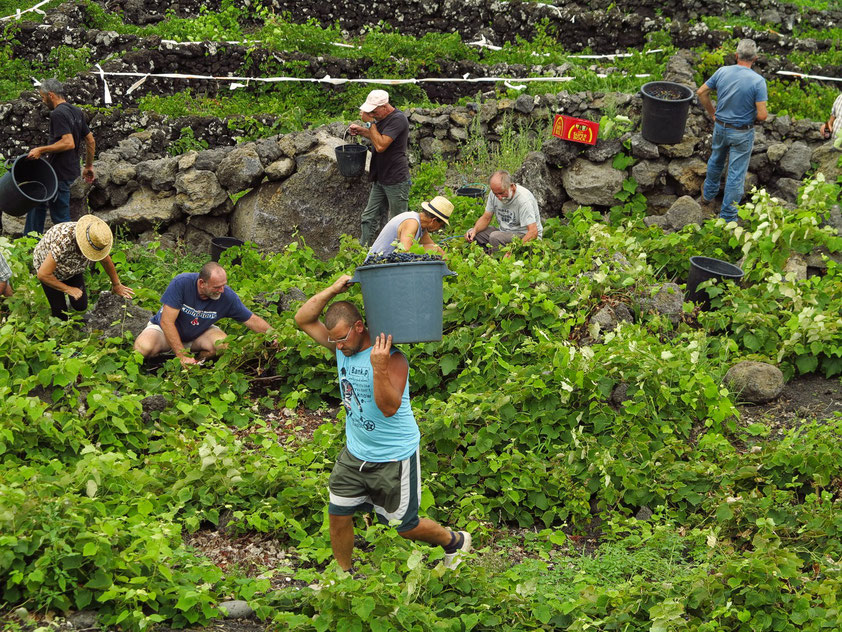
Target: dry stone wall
column 292, row 187
column 287, row 187
column 593, row 24
column 604, row 25
column 23, row 121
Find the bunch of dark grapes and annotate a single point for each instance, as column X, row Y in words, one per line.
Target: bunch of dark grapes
column 399, row 257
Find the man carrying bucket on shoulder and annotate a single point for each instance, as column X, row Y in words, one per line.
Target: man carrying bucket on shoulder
column 379, row 467
column 409, row 227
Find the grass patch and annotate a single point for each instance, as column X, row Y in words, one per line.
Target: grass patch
column 63, row 63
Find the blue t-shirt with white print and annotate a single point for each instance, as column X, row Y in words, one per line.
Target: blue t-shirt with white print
column 196, row 315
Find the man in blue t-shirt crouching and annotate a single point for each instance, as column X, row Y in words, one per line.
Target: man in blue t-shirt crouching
column 192, row 304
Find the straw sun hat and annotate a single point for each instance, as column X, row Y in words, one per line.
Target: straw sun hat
column 93, row 237
column 440, row 207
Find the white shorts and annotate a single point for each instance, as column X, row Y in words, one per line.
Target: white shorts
column 187, row 345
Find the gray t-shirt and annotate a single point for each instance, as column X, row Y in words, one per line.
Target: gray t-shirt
column 383, row 244
column 392, row 165
column 516, row 214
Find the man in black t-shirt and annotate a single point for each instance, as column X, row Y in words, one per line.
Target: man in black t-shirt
column 389, row 169
column 68, row 130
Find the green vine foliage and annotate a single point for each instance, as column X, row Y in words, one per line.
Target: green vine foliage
column 519, row 427
column 519, row 430
column 186, row 141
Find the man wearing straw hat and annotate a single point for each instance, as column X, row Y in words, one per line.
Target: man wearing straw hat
column 64, row 253
column 68, row 130
column 379, row 468
column 408, row 227
column 389, row 168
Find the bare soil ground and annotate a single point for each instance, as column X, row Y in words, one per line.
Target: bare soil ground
column 803, row 399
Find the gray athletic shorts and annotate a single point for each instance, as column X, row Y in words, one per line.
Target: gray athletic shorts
column 392, row 489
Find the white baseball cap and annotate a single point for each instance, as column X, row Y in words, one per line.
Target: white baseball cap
column 375, row 99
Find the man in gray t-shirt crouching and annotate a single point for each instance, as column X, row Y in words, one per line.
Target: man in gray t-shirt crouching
column 516, row 211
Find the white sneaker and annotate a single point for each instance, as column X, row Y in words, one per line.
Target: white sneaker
column 452, row 560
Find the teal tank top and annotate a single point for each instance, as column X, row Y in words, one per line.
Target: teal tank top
column 371, row 436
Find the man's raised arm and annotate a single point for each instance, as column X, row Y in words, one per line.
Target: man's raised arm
column 307, row 316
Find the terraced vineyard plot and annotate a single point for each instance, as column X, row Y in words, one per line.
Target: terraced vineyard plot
column 575, row 417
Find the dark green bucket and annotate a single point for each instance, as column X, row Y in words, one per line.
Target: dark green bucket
column 404, row 300
column 26, row 184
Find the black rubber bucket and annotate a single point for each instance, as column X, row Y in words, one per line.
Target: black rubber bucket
column 26, row 184
column 351, row 160
column 221, row 244
column 704, row 268
column 471, row 192
column 665, row 108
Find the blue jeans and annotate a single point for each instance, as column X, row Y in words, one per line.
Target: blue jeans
column 735, row 145
column 394, row 197
column 59, row 208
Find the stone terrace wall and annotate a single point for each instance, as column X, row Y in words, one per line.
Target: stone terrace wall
column 209, row 59
column 35, row 41
column 506, row 20
column 293, row 188
column 23, row 121
column 778, row 13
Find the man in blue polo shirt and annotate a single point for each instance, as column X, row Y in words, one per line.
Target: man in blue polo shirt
column 192, row 304
column 741, row 99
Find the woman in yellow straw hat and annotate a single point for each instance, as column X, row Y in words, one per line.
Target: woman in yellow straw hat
column 62, row 256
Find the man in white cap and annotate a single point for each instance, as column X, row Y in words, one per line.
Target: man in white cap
column 389, row 169
column 407, row 227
